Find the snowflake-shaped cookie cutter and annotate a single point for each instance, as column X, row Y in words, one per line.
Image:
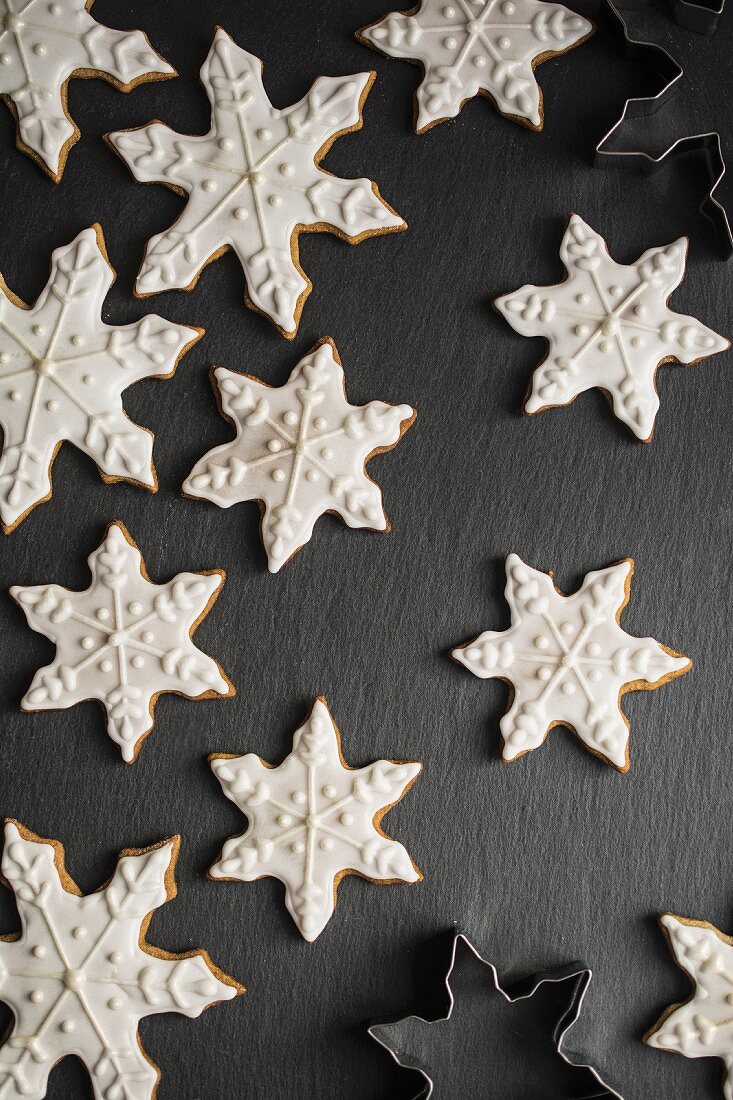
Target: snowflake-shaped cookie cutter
column 383, row 1031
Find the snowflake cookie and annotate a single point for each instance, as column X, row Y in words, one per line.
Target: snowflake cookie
column 702, row 1027
column 478, row 47
column 254, row 183
column 313, row 820
column 123, row 641
column 42, row 45
column 301, row 449
column 568, row 661
column 62, row 373
column 80, row 975
column 608, row 326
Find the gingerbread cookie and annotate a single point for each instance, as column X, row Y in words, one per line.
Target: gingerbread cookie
column 254, row 183
column 568, row 661
column 608, row 326
column 312, row 820
column 301, row 450
column 478, row 47
column 62, row 373
column 81, row 975
column 123, row 641
column 42, row 46
column 702, row 1027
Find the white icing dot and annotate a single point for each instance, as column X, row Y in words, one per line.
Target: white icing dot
column 264, row 134
column 542, row 641
column 105, row 666
column 275, row 200
column 605, row 346
column 508, row 8
column 319, row 423
column 135, row 608
column 329, row 791
column 54, row 9
column 327, row 844
column 284, row 820
column 504, row 43
column 566, row 629
column 544, row 673
column 103, row 614
column 38, row 330
column 298, row 798
column 479, row 61
column 147, row 636
column 241, row 213
column 615, row 291
column 637, row 341
column 39, row 49
column 582, row 299
column 347, row 819
column 274, row 445
column 88, row 380
column 640, row 310
column 209, row 185
column 115, row 958
column 286, row 169
column 568, row 688
column 312, row 475
column 137, row 661
column 594, row 649
column 36, row 996
column 278, row 475
column 581, row 330
column 79, row 933
column 4, row 357
column 5, row 59
column 226, row 144
column 450, row 42
column 16, row 395
column 115, row 1003
column 594, row 675
column 77, row 341
column 39, row 951
column 67, row 1026
column 87, row 643
column 290, row 417
column 327, row 454
column 449, row 12
column 298, row 847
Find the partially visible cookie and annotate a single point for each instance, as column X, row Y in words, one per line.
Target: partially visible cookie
column 254, row 183
column 313, row 819
column 123, row 641
column 702, row 1026
column 608, row 326
column 569, row 661
column 81, row 975
column 478, row 47
column 43, row 44
column 62, row 375
column 301, row 450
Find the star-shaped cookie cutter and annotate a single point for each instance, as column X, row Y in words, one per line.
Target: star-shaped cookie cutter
column 520, row 991
column 671, row 73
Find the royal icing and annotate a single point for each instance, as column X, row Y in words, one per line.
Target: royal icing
column 703, row 1026
column 608, row 326
column 312, row 820
column 123, row 641
column 62, row 373
column 81, row 976
column 472, row 47
column 569, row 661
column 301, row 449
column 45, row 42
column 253, row 182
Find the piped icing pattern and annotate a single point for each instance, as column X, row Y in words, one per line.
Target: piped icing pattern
column 478, row 47
column 608, row 326
column 123, row 641
column 253, row 182
column 703, row 1026
column 45, row 42
column 62, row 373
column 569, row 661
column 81, row 976
column 312, row 820
column 301, row 449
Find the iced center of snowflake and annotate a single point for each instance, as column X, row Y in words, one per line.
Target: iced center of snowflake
column 473, row 26
column 13, row 23
column 74, row 980
column 45, row 366
column 567, row 661
column 313, row 821
column 116, row 638
column 611, row 326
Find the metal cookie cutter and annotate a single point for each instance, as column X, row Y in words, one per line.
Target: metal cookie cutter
column 589, row 1086
column 671, row 73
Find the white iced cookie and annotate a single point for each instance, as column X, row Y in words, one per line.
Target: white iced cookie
column 312, row 820
column 254, row 182
column 702, row 1027
column 608, row 326
column 62, row 374
column 301, row 449
column 43, row 43
column 123, row 641
column 80, row 975
column 568, row 661
column 478, row 47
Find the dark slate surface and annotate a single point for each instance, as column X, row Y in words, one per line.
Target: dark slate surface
column 553, row 859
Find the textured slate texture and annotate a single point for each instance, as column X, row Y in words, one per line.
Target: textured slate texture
column 553, row 859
